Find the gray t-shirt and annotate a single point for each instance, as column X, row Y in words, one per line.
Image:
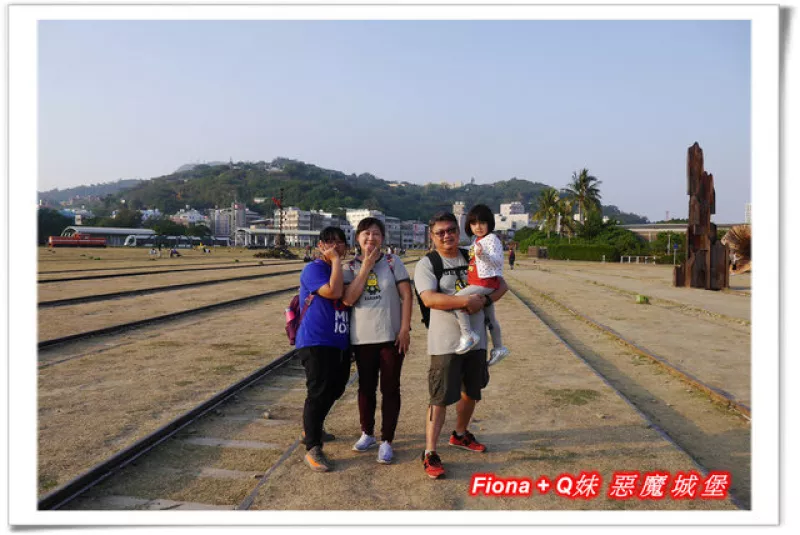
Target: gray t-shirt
column 376, row 316
column 443, row 330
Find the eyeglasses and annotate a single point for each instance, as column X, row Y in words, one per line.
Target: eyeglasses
column 442, row 233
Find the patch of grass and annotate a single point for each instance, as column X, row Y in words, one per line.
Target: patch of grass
column 183, row 383
column 47, row 482
column 569, row 396
column 224, row 370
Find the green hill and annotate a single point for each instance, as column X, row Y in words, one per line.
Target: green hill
column 310, row 187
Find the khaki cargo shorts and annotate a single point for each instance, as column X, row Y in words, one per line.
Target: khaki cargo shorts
column 451, row 374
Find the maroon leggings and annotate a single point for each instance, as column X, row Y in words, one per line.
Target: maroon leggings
column 372, row 359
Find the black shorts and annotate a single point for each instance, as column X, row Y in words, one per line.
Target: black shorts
column 451, row 374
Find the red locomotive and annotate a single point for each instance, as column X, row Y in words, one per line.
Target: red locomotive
column 76, row 240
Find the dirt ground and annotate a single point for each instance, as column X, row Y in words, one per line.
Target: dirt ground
column 545, row 412
column 684, row 326
column 107, row 395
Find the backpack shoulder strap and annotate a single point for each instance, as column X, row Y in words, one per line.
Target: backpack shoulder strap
column 464, row 253
column 438, row 266
column 306, row 305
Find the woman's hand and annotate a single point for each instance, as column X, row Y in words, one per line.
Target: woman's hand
column 370, row 256
column 403, row 341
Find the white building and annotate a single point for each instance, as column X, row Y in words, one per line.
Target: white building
column 748, row 213
column 511, row 223
column 150, row 214
column 512, row 208
column 189, row 216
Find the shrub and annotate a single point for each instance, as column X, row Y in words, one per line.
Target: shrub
column 583, row 252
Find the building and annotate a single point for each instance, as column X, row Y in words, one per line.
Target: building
column 748, row 213
column 512, row 208
column 461, row 216
column 394, row 231
column 332, row 220
column 151, row 214
column 189, row 216
column 221, row 222
column 509, row 224
column 296, row 219
column 414, row 235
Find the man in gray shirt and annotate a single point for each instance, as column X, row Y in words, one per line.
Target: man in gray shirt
column 452, row 378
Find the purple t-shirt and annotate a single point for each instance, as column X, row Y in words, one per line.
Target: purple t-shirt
column 326, row 322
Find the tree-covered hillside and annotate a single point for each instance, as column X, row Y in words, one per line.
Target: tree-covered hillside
column 310, row 187
column 100, row 190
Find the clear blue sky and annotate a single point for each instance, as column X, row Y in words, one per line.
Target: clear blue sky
column 419, row 101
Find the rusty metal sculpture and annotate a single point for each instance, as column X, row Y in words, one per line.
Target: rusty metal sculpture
column 707, row 262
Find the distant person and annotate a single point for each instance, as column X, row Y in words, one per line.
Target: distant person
column 512, row 257
column 484, row 276
column 452, row 378
column 323, row 341
column 379, row 290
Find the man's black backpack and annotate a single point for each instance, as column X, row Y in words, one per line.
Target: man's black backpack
column 438, row 271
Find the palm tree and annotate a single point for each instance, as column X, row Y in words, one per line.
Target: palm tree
column 547, row 208
column 565, row 209
column 585, row 191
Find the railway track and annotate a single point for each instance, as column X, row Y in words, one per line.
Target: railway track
column 144, row 266
column 156, row 289
column 79, row 485
column 232, row 398
column 151, row 272
column 117, row 329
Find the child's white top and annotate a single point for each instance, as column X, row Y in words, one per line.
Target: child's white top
column 490, row 261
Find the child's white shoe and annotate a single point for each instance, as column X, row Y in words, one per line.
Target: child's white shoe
column 496, row 355
column 467, row 342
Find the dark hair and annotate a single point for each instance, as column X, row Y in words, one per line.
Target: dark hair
column 367, row 222
column 479, row 213
column 439, row 217
column 332, row 233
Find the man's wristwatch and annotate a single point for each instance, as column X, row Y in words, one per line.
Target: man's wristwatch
column 488, row 301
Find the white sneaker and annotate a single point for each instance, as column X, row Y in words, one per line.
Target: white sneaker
column 467, row 342
column 385, row 453
column 365, row 442
column 496, row 355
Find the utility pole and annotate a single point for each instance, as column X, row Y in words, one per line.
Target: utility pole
column 281, row 241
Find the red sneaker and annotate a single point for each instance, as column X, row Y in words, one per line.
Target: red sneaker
column 467, row 442
column 432, row 465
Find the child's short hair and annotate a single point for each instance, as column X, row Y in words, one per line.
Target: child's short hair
column 482, row 213
column 331, row 234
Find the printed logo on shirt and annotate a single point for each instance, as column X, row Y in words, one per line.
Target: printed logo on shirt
column 341, row 319
column 372, row 287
